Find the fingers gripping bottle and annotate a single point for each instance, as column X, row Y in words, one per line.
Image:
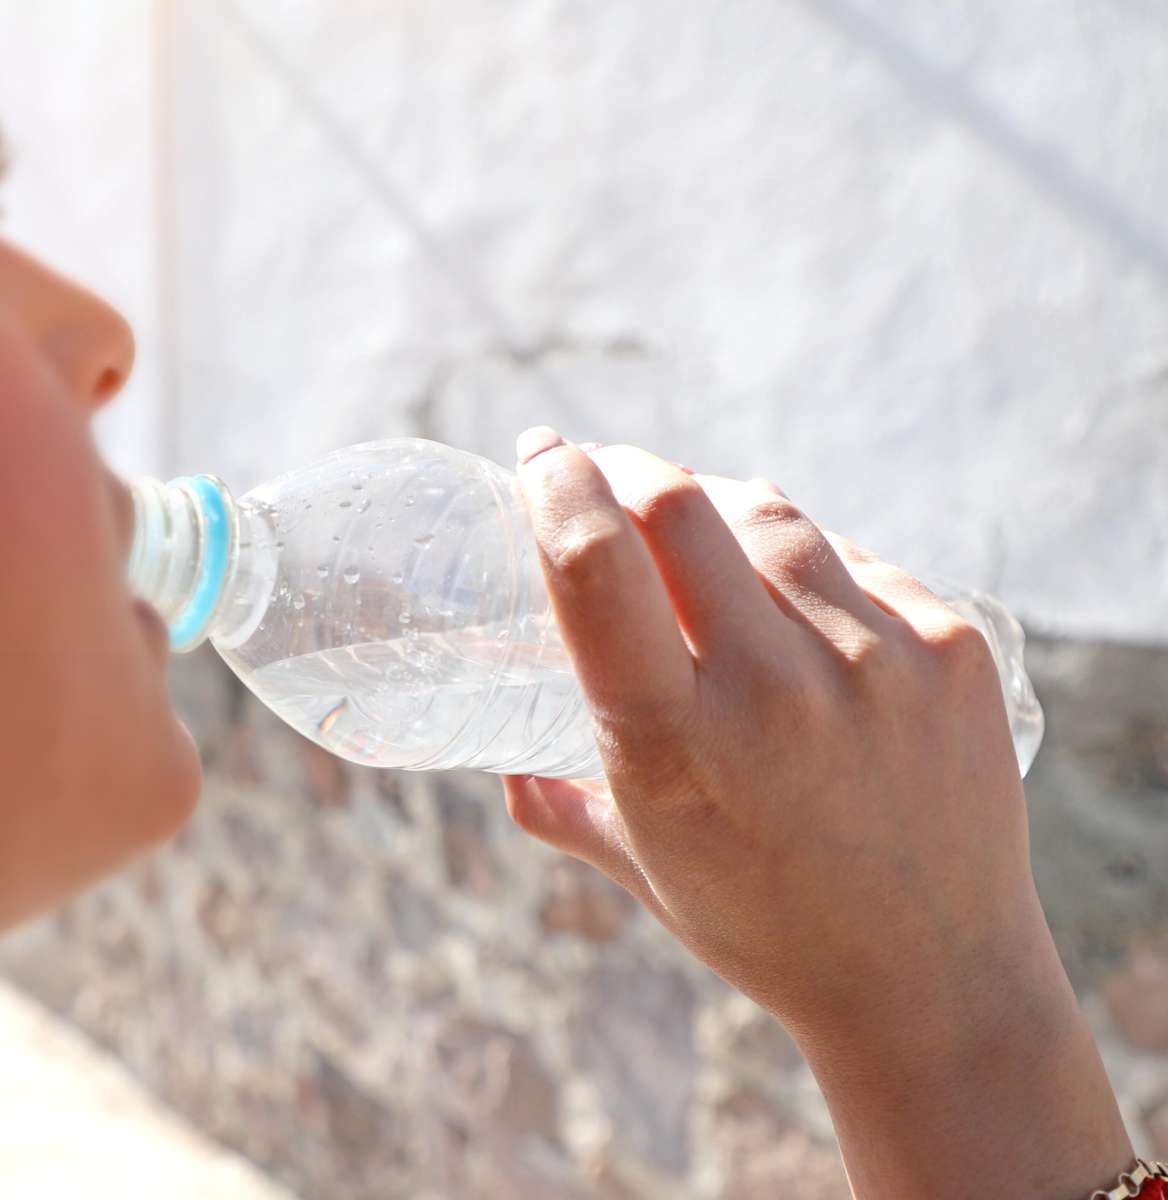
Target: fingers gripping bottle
column 388, row 603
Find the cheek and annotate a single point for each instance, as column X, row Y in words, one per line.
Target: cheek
column 96, row 769
column 73, row 647
column 62, row 556
column 148, row 773
column 95, row 765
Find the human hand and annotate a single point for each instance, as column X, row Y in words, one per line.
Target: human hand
column 810, row 776
column 805, row 767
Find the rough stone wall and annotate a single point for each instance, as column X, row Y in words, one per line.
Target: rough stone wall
column 909, row 260
column 376, row 987
column 73, row 1122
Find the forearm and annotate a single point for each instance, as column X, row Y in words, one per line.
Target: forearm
column 1010, row 1098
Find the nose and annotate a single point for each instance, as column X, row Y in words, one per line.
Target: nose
column 92, row 347
column 87, row 340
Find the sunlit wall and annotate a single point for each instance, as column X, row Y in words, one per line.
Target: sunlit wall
column 910, row 261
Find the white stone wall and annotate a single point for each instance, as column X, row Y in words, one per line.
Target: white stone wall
column 79, row 114
column 909, row 260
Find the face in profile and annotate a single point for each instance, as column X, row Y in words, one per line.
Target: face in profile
column 94, row 765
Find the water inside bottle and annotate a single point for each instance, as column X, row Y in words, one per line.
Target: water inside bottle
column 431, row 700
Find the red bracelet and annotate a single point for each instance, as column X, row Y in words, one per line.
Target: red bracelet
column 1148, row 1180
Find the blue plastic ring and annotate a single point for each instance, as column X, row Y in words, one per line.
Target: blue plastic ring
column 191, row 624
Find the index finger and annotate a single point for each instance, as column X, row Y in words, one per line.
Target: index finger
column 612, row 607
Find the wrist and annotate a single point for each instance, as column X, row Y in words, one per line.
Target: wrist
column 993, row 1079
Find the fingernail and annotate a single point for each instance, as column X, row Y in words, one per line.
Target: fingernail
column 535, row 441
column 683, row 467
column 588, row 447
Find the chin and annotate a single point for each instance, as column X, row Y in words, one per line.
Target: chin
column 175, row 783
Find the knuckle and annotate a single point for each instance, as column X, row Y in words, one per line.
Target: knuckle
column 959, row 647
column 873, row 664
column 672, row 505
column 788, row 538
column 584, row 543
column 769, row 512
column 857, row 556
column 774, row 514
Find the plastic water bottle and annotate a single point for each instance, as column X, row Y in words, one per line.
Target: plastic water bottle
column 387, row 602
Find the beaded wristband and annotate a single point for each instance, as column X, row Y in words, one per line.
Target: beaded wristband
column 1131, row 1183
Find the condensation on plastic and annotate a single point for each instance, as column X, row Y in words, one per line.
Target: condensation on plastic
column 388, row 603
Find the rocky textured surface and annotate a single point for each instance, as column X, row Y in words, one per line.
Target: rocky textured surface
column 911, row 264
column 1099, row 798
column 375, row 987
column 73, row 1123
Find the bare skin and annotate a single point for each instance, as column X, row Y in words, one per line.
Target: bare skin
column 95, row 765
column 811, row 784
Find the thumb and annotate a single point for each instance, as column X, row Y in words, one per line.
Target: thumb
column 580, row 819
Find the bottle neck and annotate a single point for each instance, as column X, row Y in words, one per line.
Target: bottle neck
column 185, row 549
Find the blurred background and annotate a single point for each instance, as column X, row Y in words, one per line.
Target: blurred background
column 910, row 261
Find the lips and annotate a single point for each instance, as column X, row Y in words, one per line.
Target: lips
column 154, row 627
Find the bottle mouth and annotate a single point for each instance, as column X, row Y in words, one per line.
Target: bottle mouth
column 185, row 538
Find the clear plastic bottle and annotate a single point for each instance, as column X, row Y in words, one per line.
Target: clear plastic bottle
column 387, row 602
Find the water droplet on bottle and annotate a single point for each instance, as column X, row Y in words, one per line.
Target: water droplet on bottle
column 298, row 600
column 379, row 525
column 357, row 485
column 364, row 505
column 405, row 616
column 307, row 504
column 279, row 545
column 424, row 541
column 346, row 504
column 502, row 635
column 336, row 537
column 352, row 574
column 323, row 570
column 409, row 499
column 397, row 577
column 412, row 634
